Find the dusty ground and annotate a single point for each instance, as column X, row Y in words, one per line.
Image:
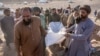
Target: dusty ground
column 95, row 4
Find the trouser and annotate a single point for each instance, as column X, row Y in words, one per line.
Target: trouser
column 9, row 51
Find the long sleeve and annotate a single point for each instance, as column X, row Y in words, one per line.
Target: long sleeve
column 70, row 29
column 87, row 33
column 43, row 32
column 17, row 40
column 3, row 26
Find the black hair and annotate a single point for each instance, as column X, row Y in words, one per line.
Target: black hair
column 6, row 9
column 36, row 9
column 87, row 8
column 26, row 8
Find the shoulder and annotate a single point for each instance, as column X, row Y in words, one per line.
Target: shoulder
column 36, row 18
column 89, row 22
column 18, row 24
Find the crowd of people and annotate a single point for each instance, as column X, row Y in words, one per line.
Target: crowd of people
column 27, row 29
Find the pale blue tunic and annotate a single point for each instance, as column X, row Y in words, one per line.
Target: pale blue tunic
column 80, row 44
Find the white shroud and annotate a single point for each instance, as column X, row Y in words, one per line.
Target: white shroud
column 55, row 34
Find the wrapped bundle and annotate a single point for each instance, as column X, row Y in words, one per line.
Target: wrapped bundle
column 56, row 34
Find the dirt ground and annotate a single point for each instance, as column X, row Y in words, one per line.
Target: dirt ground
column 95, row 4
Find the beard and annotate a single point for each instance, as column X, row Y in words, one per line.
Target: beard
column 27, row 22
column 78, row 20
column 83, row 17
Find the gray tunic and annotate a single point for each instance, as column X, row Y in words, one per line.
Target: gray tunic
column 80, row 43
column 7, row 27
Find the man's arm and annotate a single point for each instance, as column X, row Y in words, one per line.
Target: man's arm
column 43, row 32
column 70, row 29
column 88, row 31
column 2, row 26
column 17, row 40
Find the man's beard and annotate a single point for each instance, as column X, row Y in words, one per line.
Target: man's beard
column 83, row 17
column 78, row 20
column 27, row 22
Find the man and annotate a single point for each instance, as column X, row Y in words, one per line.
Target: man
column 60, row 12
column 82, row 31
column 37, row 12
column 17, row 15
column 29, row 35
column 47, row 16
column 97, row 16
column 69, row 9
column 54, row 16
column 7, row 27
column 69, row 22
column 72, row 18
column 95, row 13
column 64, row 16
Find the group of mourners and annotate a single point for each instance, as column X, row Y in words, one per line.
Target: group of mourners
column 27, row 30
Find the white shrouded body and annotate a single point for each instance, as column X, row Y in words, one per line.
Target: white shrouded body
column 56, row 32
